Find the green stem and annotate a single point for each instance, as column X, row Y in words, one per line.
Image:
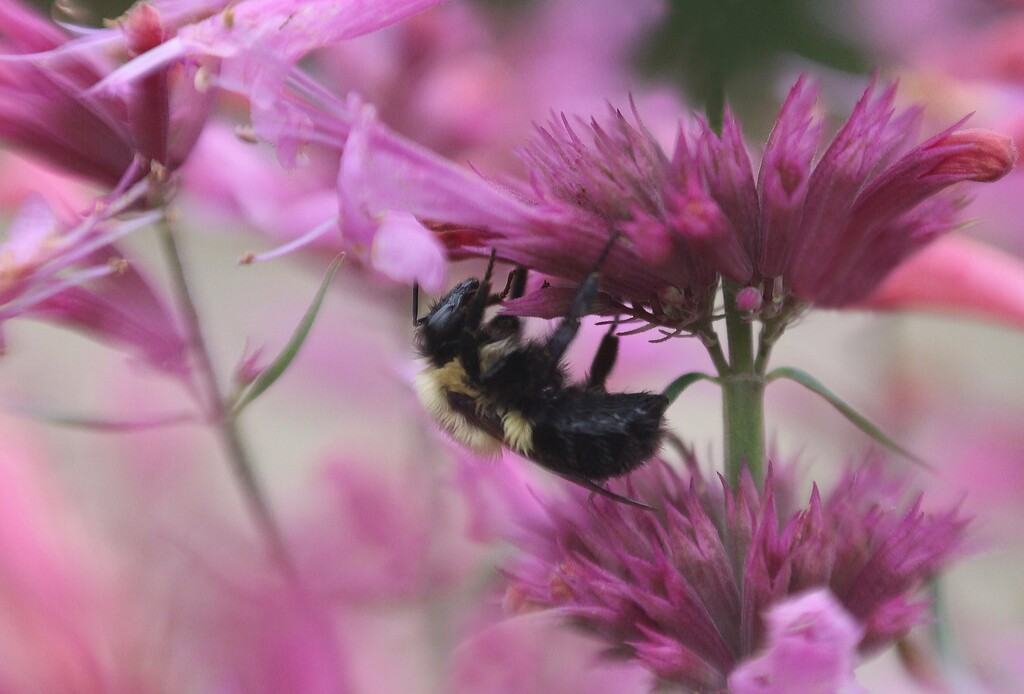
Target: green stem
column 219, row 416
column 742, row 398
column 941, row 633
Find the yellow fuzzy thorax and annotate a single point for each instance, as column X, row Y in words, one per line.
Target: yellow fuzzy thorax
column 432, row 387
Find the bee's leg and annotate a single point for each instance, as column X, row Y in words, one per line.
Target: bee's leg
column 604, row 359
column 481, row 301
column 504, row 325
column 559, row 340
column 581, row 305
column 515, row 285
column 469, row 351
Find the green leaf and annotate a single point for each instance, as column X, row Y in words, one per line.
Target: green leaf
column 288, row 354
column 101, row 424
column 860, row 421
column 676, row 387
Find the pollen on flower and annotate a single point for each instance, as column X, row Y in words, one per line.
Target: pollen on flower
column 246, row 133
column 204, row 79
column 157, row 172
column 118, row 265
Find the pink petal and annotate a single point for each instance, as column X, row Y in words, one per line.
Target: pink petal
column 960, row 276
column 292, row 28
column 406, row 251
column 811, row 649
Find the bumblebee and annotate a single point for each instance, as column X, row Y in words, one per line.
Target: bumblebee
column 489, row 386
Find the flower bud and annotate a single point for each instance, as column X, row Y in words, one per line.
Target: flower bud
column 985, row 156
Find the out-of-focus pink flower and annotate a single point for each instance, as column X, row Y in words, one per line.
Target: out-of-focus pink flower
column 536, row 654
column 957, row 275
column 281, row 204
column 685, row 588
column 62, row 626
column 468, row 83
column 24, row 176
column 238, row 629
column 76, row 276
column 46, row 109
column 379, row 539
column 258, row 41
column 810, row 648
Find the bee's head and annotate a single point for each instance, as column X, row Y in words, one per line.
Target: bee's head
column 439, row 333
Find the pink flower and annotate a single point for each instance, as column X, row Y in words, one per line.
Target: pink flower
column 452, row 78
column 825, row 233
column 76, row 276
column 685, row 589
column 534, row 654
column 47, row 110
column 957, row 275
column 811, row 649
column 258, row 41
column 868, row 207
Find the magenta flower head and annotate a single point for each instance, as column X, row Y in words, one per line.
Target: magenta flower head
column 805, row 229
column 48, row 110
column 686, row 589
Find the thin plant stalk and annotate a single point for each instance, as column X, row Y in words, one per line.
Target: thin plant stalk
column 218, row 413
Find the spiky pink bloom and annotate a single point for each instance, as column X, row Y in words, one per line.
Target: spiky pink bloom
column 823, row 232
column 685, row 588
column 47, row 110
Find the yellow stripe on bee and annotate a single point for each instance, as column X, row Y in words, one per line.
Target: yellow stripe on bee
column 432, row 387
column 518, row 432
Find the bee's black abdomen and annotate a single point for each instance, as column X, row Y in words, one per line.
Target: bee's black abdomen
column 596, row 435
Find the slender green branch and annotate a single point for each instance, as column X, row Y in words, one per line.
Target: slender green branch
column 770, row 333
column 941, row 633
column 710, row 340
column 227, row 426
column 742, row 398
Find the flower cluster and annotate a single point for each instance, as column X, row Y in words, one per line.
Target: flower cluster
column 686, row 588
column 822, row 230
column 719, row 585
column 51, row 111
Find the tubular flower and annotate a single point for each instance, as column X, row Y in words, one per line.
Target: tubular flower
column 801, row 231
column 48, row 110
column 77, row 277
column 686, row 588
